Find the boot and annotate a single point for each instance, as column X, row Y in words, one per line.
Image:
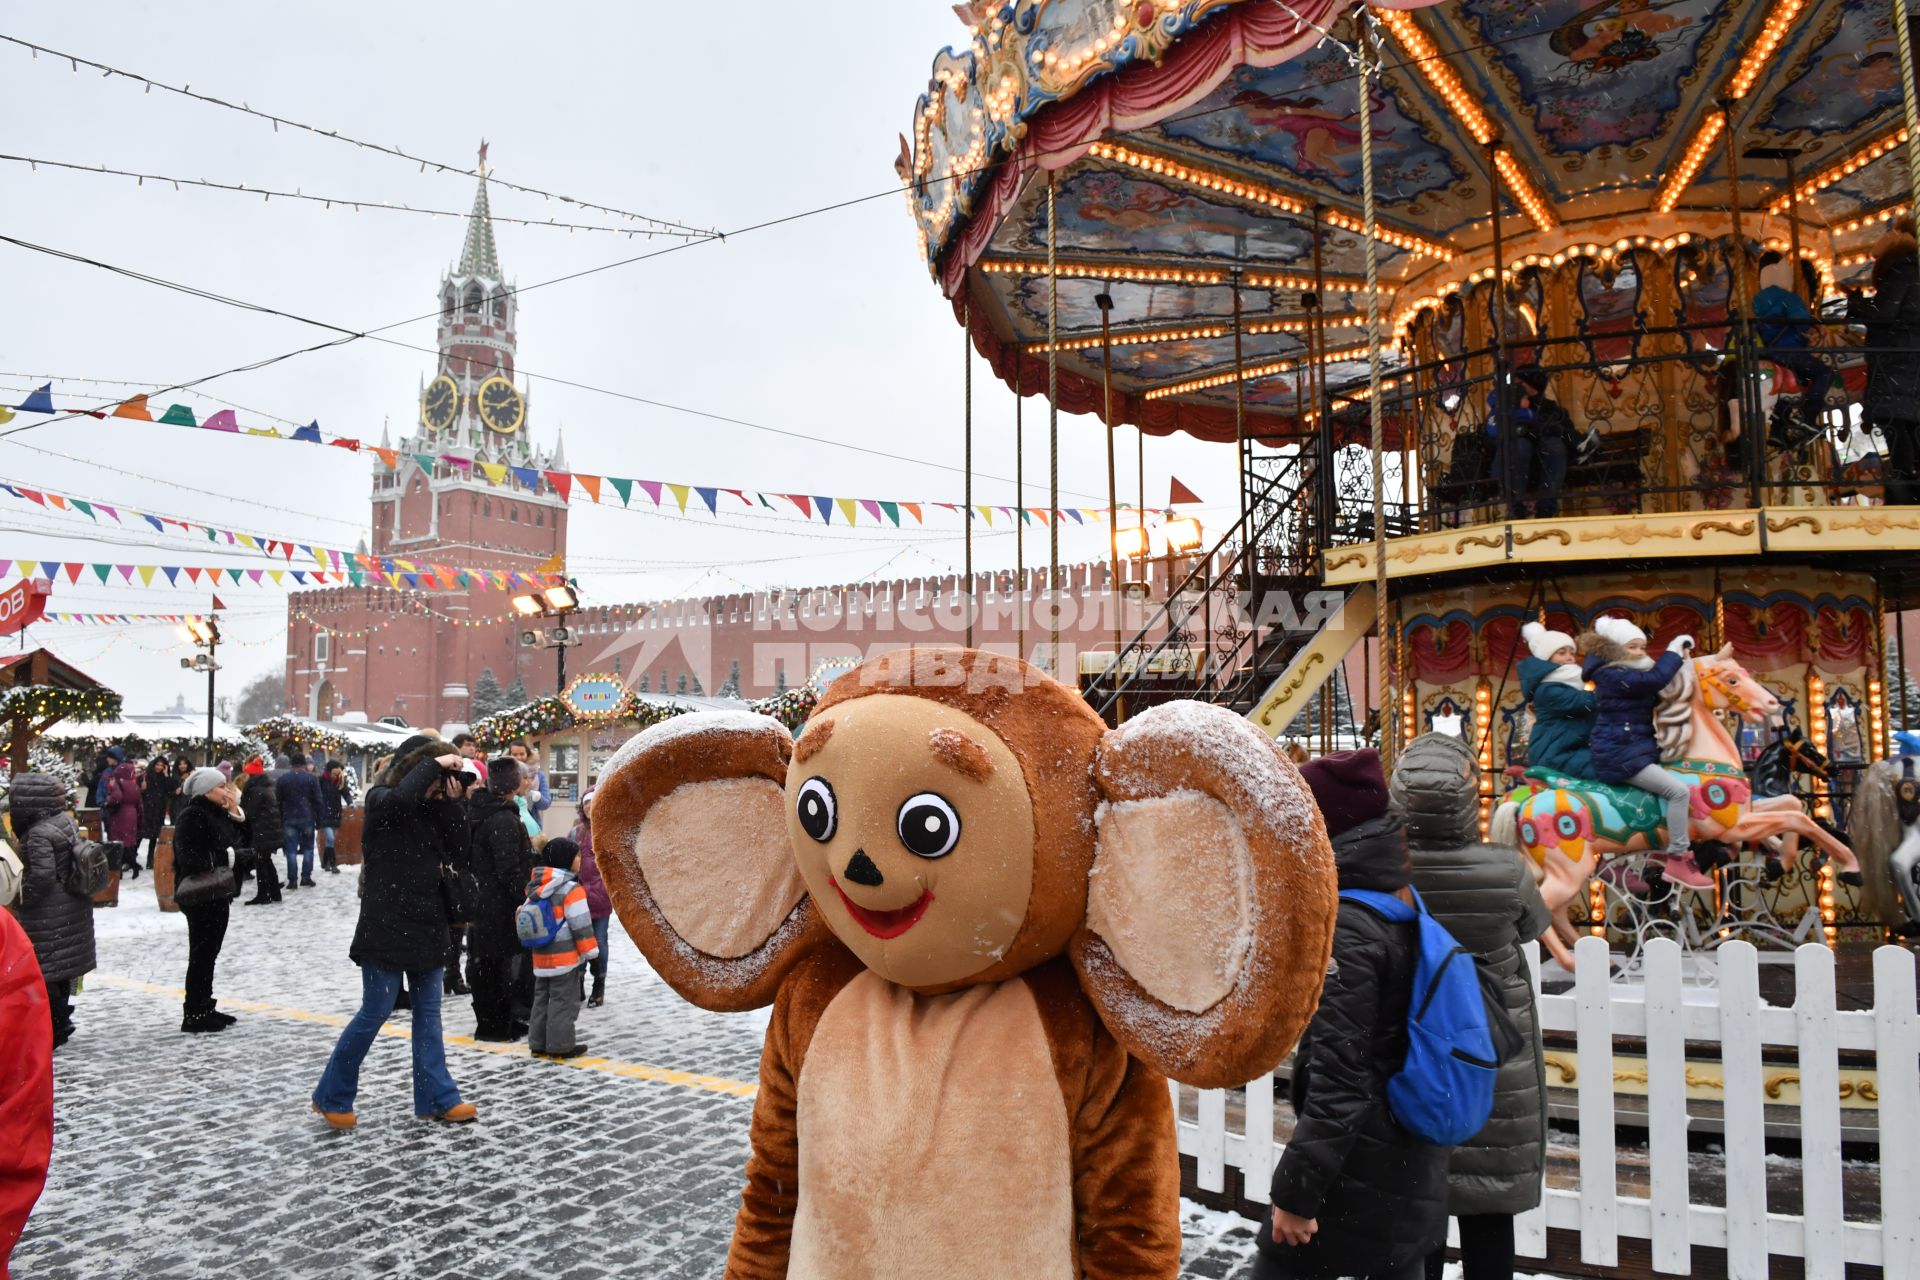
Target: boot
column 598, row 996
column 1683, row 870
column 202, row 1022
column 335, row 1119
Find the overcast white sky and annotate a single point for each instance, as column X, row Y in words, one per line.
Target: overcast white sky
column 723, row 115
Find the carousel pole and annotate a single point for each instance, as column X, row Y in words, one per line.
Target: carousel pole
column 1389, row 720
column 1053, row 435
column 1240, row 410
column 1020, row 523
column 1502, row 403
column 1753, row 429
column 1105, row 302
column 1316, row 372
column 1910, row 98
column 966, row 364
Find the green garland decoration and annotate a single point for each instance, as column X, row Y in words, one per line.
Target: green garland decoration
column 281, row 729
column 43, row 701
column 552, row 715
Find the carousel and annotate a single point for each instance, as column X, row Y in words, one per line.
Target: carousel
column 1351, row 242
column 1512, row 312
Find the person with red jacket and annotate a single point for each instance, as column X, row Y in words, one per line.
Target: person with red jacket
column 26, row 1084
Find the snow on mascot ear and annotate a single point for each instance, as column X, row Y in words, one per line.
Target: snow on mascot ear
column 988, row 925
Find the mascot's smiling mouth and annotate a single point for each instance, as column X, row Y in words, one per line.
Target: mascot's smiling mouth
column 884, row 924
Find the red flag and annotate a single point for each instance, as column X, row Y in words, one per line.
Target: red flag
column 217, row 604
column 1179, row 493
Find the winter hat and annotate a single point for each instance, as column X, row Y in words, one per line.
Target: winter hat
column 1348, row 786
column 1542, row 643
column 202, row 781
column 503, row 774
column 413, row 744
column 559, row 852
column 226, row 770
column 254, row 768
column 280, row 763
column 1618, row 631
column 116, row 753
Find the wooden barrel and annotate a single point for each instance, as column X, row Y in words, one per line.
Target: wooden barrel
column 346, row 841
column 163, row 871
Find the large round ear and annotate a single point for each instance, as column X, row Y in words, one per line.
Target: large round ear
column 1211, row 904
column 690, row 831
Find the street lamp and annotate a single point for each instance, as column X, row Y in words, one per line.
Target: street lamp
column 205, row 634
column 553, row 602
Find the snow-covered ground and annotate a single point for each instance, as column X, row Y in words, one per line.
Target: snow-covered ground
column 184, row 1157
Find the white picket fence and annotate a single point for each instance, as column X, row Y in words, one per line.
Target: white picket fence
column 1595, row 1012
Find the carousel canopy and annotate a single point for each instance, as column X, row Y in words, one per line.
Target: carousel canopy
column 1206, row 157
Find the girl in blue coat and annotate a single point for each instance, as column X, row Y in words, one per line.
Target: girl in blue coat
column 1551, row 682
column 1627, row 685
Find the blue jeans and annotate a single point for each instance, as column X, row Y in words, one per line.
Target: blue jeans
column 297, row 839
column 433, row 1088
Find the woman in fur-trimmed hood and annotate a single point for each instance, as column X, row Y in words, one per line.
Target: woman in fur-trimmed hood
column 1626, row 689
column 1892, row 320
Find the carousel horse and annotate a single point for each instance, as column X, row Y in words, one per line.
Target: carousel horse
column 1568, row 826
column 1885, row 829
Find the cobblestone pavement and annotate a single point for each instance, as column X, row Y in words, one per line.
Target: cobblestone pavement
column 195, row 1156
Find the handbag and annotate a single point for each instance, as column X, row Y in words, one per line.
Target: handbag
column 212, row 885
column 459, row 892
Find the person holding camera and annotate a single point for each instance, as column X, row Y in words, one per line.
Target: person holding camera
column 405, row 908
column 210, row 828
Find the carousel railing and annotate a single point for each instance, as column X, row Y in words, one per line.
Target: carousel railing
column 1677, row 411
column 1232, row 657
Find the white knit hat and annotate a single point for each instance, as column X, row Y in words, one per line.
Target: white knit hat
column 1618, row 630
column 1544, row 643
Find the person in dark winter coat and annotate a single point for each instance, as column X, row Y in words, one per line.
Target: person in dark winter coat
column 1627, row 685
column 1562, row 733
column 60, row 922
column 402, row 931
column 298, row 793
column 121, row 814
column 1892, row 320
column 501, row 859
column 210, row 832
column 1485, row 897
column 599, row 903
column 1355, row 1194
column 158, row 786
column 336, row 793
column 176, row 801
column 265, row 838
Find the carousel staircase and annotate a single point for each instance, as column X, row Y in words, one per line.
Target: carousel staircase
column 1268, row 671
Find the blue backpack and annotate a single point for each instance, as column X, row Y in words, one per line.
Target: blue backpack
column 1780, row 317
column 538, row 922
column 1458, row 1032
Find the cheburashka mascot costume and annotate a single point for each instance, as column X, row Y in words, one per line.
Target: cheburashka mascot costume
column 989, row 927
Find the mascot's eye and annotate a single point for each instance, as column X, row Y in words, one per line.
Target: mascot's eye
column 929, row 826
column 818, row 818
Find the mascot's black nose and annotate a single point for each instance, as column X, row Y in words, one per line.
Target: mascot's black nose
column 860, row 870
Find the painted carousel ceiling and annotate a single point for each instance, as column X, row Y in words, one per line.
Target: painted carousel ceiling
column 1187, row 145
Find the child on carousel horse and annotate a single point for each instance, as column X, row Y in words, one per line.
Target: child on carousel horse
column 1551, row 681
column 1627, row 684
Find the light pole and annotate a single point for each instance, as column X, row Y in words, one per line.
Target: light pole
column 205, row 633
column 553, row 602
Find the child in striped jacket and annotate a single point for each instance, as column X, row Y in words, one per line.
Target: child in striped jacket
column 556, row 992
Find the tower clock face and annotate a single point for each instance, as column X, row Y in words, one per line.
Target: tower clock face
column 440, row 402
column 501, row 407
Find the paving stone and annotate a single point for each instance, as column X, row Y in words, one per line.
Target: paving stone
column 196, row 1156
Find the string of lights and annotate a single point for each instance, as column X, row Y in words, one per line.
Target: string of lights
column 75, row 61
column 268, row 195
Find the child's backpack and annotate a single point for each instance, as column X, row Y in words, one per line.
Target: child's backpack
column 1458, row 1032
column 538, row 921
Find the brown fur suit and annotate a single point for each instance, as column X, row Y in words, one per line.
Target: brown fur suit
column 988, row 925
